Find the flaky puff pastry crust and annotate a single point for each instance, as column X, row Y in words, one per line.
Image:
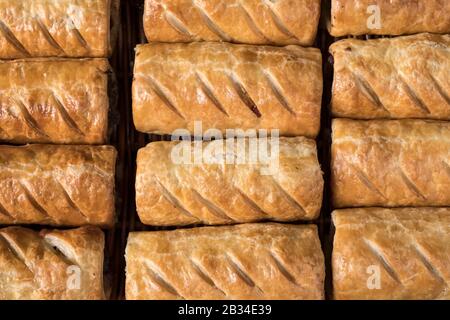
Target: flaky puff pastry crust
column 54, row 101
column 57, row 185
column 391, row 253
column 176, row 193
column 54, row 28
column 227, row 86
column 51, row 264
column 390, row 163
column 404, row 77
column 253, row 261
column 279, row 22
column 354, row 17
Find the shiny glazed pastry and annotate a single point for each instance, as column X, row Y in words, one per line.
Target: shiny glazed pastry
column 227, row 86
column 404, row 77
column 54, row 101
column 54, row 28
column 57, row 185
column 250, row 261
column 391, row 254
column 392, row 17
column 51, row 264
column 390, row 163
column 287, row 186
column 279, row 22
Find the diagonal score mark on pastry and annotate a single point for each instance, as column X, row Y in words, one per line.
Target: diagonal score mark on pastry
column 439, row 89
column 213, row 27
column 283, row 269
column 162, row 93
column 279, row 22
column 215, row 210
column 159, row 280
column 47, row 35
column 11, row 38
column 207, row 89
column 414, row 96
column 79, row 37
column 426, row 261
column 65, row 115
column 253, row 26
column 408, row 182
column 6, row 213
column 19, row 254
column 366, row 181
column 378, row 253
column 177, row 24
column 243, row 94
column 34, row 203
column 252, row 204
column 293, row 202
column 202, row 274
column 172, row 199
column 369, row 92
column 235, row 265
column 69, row 200
column 31, row 122
column 276, row 88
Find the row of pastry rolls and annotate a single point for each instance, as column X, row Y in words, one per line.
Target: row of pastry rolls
column 55, row 95
column 223, row 64
column 390, row 157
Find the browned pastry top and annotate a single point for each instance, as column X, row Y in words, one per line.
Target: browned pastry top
column 250, row 261
column 51, row 264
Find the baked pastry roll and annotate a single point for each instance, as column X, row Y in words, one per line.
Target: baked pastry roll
column 279, row 22
column 57, row 185
column 54, row 28
column 391, row 253
column 51, row 264
column 405, row 77
column 389, row 17
column 54, row 101
column 390, row 163
column 253, row 261
column 286, row 186
column 227, row 86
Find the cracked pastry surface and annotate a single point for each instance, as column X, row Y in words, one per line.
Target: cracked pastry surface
column 387, row 254
column 57, row 185
column 54, row 28
column 404, row 77
column 390, row 163
column 352, row 17
column 227, row 86
column 279, row 22
column 51, row 264
column 250, row 261
column 54, row 101
column 170, row 191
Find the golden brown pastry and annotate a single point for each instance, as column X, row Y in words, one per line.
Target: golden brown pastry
column 391, row 254
column 54, row 28
column 250, row 261
column 57, row 185
column 390, row 17
column 390, row 163
column 405, row 77
column 251, row 21
column 54, row 101
column 285, row 187
column 227, row 86
column 51, row 264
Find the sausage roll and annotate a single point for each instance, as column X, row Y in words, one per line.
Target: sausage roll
column 57, row 185
column 245, row 262
column 391, row 254
column 389, row 17
column 226, row 186
column 54, row 28
column 54, row 101
column 51, row 264
column 390, row 163
column 279, row 22
column 227, row 86
column 405, row 77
